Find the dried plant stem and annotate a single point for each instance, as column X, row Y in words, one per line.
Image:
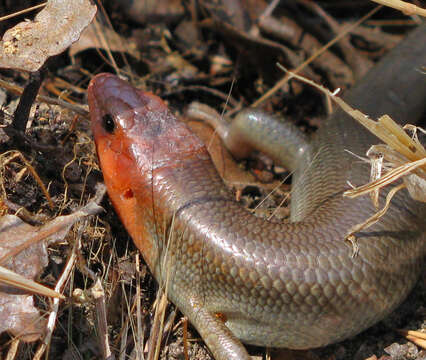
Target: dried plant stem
column 139, row 343
column 46, row 99
column 61, row 282
column 13, row 349
column 386, row 179
column 33, row 173
column 3, row 18
column 416, row 337
column 11, row 278
column 395, row 137
column 185, row 338
column 98, row 295
column 405, row 7
column 376, row 217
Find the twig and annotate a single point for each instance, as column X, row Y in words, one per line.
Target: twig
column 45, row 99
column 98, row 295
column 185, row 337
column 20, row 116
column 3, row 18
column 11, row 278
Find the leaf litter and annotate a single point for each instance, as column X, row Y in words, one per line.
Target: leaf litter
column 29, row 44
column 23, row 251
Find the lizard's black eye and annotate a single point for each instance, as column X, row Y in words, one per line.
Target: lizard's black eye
column 108, row 123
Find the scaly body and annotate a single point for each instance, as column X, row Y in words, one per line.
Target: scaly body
column 294, row 284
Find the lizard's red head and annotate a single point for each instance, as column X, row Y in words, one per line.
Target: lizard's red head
column 135, row 136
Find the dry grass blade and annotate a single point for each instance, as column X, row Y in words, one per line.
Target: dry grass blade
column 13, row 349
column 376, row 173
column 373, row 219
column 419, row 342
column 416, row 337
column 385, row 128
column 157, row 330
column 10, row 16
column 411, row 143
column 393, row 135
column 405, row 7
column 408, row 149
column 59, row 285
column 33, row 172
column 154, row 344
column 419, row 334
column 16, row 280
column 386, row 179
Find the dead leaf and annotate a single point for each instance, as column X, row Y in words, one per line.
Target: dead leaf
column 232, row 174
column 17, row 312
column 91, row 38
column 228, row 169
column 23, row 250
column 29, row 44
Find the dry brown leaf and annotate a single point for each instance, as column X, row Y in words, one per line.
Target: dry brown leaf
column 17, row 312
column 91, row 38
column 23, row 250
column 29, row 44
column 228, row 169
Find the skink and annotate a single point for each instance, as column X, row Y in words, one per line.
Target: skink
column 294, row 284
